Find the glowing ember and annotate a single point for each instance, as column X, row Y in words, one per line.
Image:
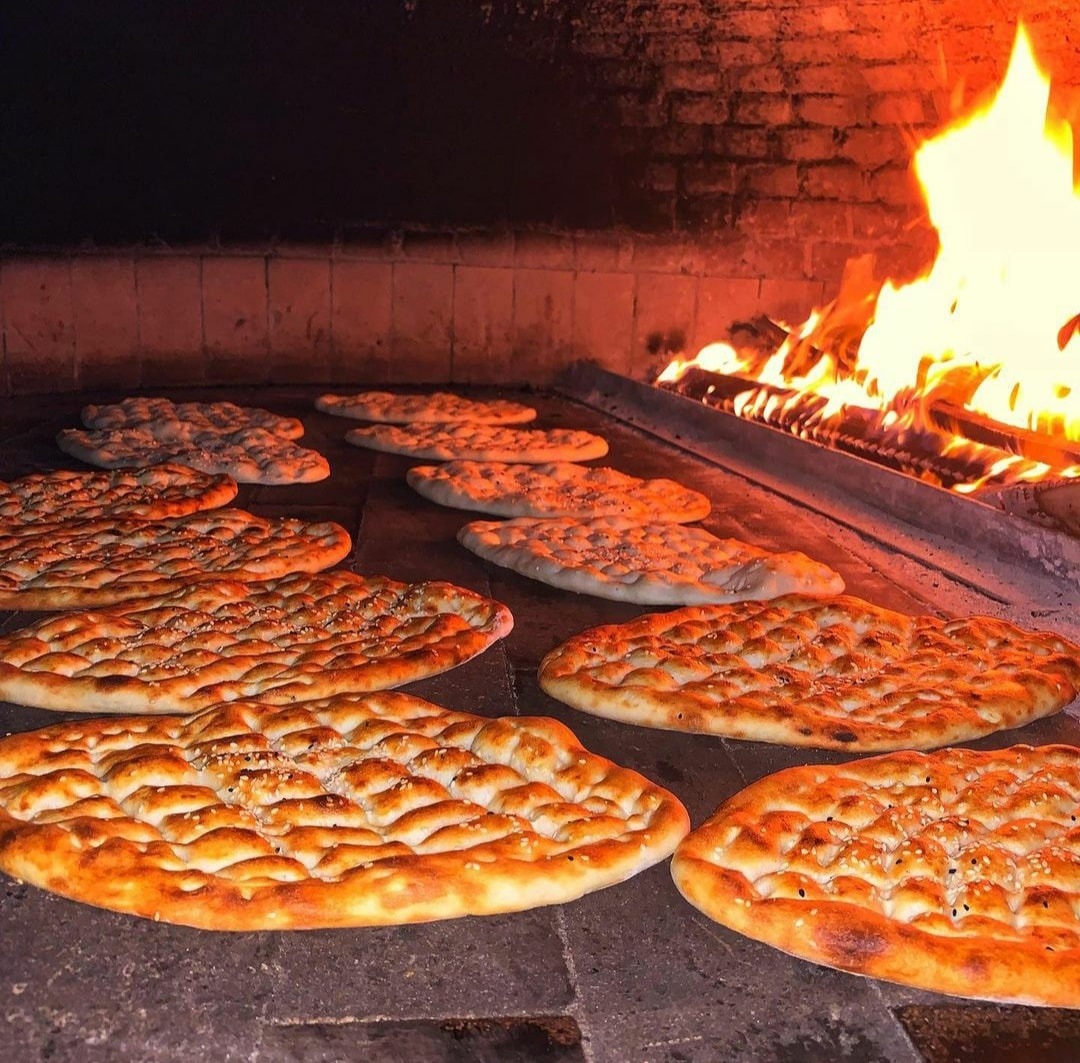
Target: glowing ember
column 991, row 328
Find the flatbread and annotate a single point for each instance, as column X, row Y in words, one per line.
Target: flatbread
column 104, row 561
column 166, row 419
column 652, row 564
column 440, row 406
column 64, row 496
column 839, row 674
column 293, row 639
column 956, row 871
column 354, row 811
column 443, row 442
column 250, row 455
column 556, row 489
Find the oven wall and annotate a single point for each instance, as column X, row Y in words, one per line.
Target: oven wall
column 454, row 191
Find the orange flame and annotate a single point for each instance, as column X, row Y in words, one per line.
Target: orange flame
column 992, row 326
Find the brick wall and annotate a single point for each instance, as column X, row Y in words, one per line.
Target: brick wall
column 652, row 173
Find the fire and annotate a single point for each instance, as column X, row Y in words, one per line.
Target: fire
column 991, row 327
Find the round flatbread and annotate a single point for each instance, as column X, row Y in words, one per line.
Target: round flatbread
column 166, row 419
column 250, row 455
column 652, row 564
column 354, row 811
column 556, row 489
column 439, row 406
column 104, row 561
column 443, row 442
column 839, row 674
column 955, row 871
column 293, row 639
column 152, row 494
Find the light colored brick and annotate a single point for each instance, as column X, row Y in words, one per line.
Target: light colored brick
column 536, row 250
column 663, row 321
column 300, row 345
column 486, row 248
column 483, row 323
column 104, row 299
column 602, row 251
column 790, row 301
column 543, row 325
column 422, row 316
column 604, row 319
column 361, row 322
column 721, row 302
column 170, row 319
column 235, row 319
column 39, row 332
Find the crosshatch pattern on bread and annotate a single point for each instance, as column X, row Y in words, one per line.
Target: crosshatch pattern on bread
column 954, row 871
column 301, row 637
column 354, row 811
column 104, row 561
column 443, row 407
column 152, row 494
column 248, row 455
column 480, row 442
column 840, row 674
column 556, row 489
column 652, row 564
column 166, row 419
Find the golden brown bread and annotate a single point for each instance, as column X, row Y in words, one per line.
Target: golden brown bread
column 840, row 673
column 174, row 420
column 352, row 811
column 152, row 494
column 954, row 871
column 443, row 407
column 479, row 442
column 292, row 639
column 104, row 561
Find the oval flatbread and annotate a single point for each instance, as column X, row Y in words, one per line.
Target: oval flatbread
column 154, row 493
column 104, row 561
column 293, row 639
column 166, row 419
column 353, row 811
column 249, row 455
column 839, row 674
column 955, row 871
column 556, row 489
column 441, row 406
column 444, row 442
column 652, row 564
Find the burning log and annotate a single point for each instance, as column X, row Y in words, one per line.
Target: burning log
column 1056, row 452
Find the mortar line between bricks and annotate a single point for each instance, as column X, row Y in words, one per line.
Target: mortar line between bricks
column 575, row 1009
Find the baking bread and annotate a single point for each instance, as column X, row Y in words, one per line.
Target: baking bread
column 954, row 871
column 440, row 406
column 152, row 494
column 478, row 442
column 248, row 455
column 292, row 639
column 352, row 811
column 166, row 419
column 556, row 489
column 103, row 561
column 651, row 564
column 836, row 674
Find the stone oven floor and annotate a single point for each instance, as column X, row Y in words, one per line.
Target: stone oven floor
column 631, row 973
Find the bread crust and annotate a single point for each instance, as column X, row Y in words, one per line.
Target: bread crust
column 556, row 489
column 105, row 561
column 166, row 419
column 651, row 564
column 834, row 674
column 64, row 496
column 956, row 871
column 293, row 639
column 343, row 812
column 478, row 442
column 248, row 455
column 442, row 407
